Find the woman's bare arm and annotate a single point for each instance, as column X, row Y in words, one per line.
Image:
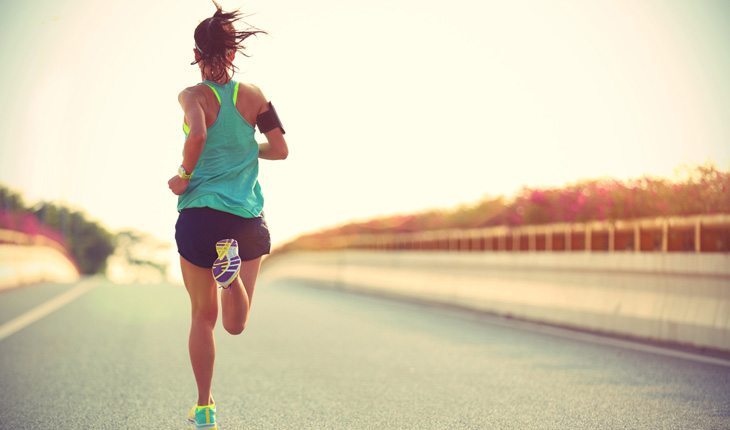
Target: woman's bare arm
column 191, row 103
column 275, row 147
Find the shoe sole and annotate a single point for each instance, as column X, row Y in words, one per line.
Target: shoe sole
column 202, row 426
column 206, row 426
column 192, row 424
column 226, row 268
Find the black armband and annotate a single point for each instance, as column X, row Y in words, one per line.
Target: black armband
column 269, row 120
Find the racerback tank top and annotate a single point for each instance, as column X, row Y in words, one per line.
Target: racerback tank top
column 226, row 176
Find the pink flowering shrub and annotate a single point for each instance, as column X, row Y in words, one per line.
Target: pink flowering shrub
column 706, row 190
column 28, row 223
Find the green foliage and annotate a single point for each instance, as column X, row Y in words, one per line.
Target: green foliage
column 9, row 200
column 88, row 243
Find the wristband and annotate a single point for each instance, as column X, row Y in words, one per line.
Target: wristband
column 181, row 172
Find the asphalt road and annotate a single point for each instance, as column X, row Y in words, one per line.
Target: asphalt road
column 116, row 358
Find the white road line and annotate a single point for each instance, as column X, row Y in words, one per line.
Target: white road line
column 605, row 340
column 35, row 314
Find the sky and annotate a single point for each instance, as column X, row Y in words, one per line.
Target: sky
column 390, row 106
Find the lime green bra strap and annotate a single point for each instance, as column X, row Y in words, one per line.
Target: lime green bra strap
column 215, row 92
column 186, row 128
column 218, row 97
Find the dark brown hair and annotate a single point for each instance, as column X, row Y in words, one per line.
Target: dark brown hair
column 216, row 36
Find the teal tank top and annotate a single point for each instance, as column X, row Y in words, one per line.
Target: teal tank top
column 226, row 176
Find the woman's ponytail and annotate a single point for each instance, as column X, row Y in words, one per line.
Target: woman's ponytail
column 216, row 36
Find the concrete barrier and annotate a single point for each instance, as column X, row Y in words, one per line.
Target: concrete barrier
column 21, row 265
column 669, row 297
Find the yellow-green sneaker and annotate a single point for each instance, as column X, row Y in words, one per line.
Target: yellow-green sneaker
column 203, row 417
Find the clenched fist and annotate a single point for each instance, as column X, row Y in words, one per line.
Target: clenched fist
column 178, row 185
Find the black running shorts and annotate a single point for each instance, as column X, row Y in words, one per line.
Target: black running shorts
column 198, row 229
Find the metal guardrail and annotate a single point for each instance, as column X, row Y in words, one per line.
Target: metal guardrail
column 701, row 233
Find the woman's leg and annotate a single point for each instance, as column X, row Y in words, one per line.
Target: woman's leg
column 204, row 304
column 236, row 299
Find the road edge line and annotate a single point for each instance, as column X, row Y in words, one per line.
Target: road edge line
column 18, row 323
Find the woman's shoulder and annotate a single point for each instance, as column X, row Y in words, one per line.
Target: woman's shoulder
column 194, row 91
column 250, row 90
column 251, row 94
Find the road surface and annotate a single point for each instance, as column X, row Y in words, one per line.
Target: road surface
column 115, row 357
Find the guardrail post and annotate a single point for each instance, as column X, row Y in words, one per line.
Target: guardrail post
column 665, row 235
column 611, row 237
column 698, row 235
column 637, row 238
column 548, row 239
column 531, row 240
column 568, row 238
column 588, row 238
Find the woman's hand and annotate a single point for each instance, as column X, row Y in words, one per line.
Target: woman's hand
column 178, row 185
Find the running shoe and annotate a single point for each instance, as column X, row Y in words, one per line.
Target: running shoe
column 203, row 417
column 228, row 264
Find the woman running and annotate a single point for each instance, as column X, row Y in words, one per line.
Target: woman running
column 221, row 233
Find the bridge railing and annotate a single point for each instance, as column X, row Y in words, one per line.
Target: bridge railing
column 701, row 233
column 14, row 237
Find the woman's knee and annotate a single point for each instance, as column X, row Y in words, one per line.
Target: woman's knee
column 234, row 328
column 206, row 315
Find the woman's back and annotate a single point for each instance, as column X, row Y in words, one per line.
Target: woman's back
column 226, row 176
column 249, row 103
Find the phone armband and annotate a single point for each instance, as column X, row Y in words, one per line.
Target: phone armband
column 269, row 120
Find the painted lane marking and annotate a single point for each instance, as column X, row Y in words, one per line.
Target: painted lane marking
column 607, row 341
column 13, row 326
